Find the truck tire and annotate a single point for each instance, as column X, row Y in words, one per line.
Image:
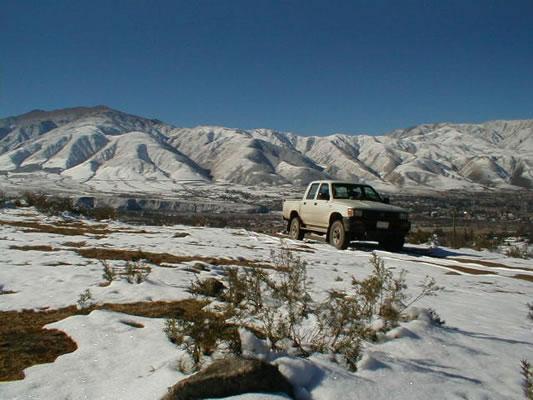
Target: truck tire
column 295, row 229
column 338, row 236
column 393, row 244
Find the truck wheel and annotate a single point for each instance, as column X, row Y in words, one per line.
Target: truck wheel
column 338, row 236
column 295, row 229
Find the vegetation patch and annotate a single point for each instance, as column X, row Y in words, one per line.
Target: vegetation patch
column 74, row 244
column 24, row 342
column 131, row 323
column 524, row 277
column 159, row 258
column 490, row 264
column 77, row 230
column 34, row 248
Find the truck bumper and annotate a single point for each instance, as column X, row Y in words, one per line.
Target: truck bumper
column 366, row 229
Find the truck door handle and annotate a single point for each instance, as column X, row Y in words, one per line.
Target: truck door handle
column 315, row 203
column 305, row 203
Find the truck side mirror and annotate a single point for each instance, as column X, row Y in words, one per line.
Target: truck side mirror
column 386, row 200
column 322, row 196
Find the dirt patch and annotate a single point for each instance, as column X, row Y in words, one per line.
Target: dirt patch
column 524, row 277
column 489, row 264
column 159, row 258
column 131, row 323
column 70, row 230
column 181, row 234
column 57, row 264
column 464, row 269
column 34, row 248
column 74, row 244
column 24, row 342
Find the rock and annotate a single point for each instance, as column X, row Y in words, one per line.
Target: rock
column 230, row 377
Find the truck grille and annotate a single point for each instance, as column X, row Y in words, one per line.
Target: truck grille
column 373, row 215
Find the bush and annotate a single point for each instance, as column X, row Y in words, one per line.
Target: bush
column 278, row 307
column 517, row 252
column 84, row 300
column 419, row 236
column 202, row 334
column 527, row 379
column 109, row 273
column 136, row 272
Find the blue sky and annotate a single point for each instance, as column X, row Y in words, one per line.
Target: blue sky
column 311, row 67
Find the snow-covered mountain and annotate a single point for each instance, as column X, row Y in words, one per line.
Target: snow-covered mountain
column 98, row 145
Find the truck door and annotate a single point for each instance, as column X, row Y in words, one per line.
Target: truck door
column 307, row 206
column 322, row 206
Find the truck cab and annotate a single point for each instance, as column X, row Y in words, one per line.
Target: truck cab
column 346, row 211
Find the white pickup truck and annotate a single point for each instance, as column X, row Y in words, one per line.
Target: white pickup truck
column 345, row 211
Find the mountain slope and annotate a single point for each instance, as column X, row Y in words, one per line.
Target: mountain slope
column 110, row 150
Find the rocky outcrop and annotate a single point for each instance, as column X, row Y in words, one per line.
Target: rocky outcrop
column 230, row 377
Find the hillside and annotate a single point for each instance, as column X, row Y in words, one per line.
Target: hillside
column 116, row 346
column 107, row 150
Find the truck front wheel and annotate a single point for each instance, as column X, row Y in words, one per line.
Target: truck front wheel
column 338, row 236
column 295, row 229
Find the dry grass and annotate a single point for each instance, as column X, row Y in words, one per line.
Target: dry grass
column 131, row 323
column 34, row 248
column 159, row 258
column 76, row 229
column 489, row 264
column 24, row 342
column 74, row 244
column 524, row 277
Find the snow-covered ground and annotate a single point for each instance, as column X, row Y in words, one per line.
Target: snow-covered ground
column 475, row 355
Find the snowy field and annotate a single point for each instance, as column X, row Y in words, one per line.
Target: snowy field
column 475, row 355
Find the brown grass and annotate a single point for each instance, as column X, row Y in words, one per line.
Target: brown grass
column 464, row 269
column 131, row 323
column 159, row 258
column 24, row 342
column 524, row 277
column 74, row 244
column 72, row 230
column 34, row 248
column 489, row 264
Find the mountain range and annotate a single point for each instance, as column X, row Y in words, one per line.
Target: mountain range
column 99, row 146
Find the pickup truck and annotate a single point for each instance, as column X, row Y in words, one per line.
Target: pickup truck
column 345, row 211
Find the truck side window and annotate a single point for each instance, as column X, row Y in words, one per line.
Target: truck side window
column 312, row 191
column 323, row 193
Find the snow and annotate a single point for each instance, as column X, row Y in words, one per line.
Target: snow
column 475, row 355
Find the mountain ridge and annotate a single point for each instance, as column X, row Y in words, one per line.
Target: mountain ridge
column 78, row 143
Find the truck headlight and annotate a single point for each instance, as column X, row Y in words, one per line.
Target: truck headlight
column 354, row 212
column 404, row 216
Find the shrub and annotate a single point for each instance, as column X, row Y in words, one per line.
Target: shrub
column 210, row 287
column 84, row 300
column 202, row 334
column 109, row 273
column 518, row 252
column 419, row 236
column 530, row 311
column 136, row 272
column 278, row 307
column 527, row 379
column 99, row 213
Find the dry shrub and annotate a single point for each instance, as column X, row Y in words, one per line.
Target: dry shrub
column 527, row 379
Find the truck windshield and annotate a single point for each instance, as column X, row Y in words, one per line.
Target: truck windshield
column 353, row 191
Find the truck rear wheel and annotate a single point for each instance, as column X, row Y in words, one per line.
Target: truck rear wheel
column 295, row 229
column 338, row 236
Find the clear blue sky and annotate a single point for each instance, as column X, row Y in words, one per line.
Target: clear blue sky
column 311, row 67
